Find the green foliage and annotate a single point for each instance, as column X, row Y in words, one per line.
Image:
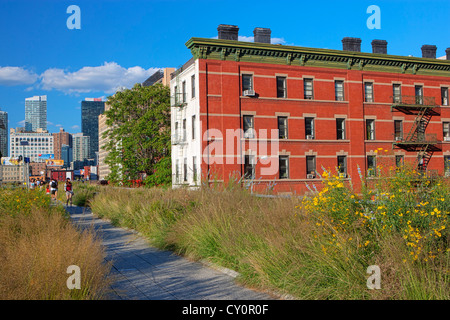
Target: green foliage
column 139, row 134
column 162, row 174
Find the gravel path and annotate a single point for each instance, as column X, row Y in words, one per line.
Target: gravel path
column 142, row 272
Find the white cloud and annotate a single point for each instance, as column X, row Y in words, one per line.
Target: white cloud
column 21, row 123
column 106, row 78
column 75, row 127
column 13, row 76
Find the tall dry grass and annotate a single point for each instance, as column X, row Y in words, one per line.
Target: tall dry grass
column 36, row 248
column 281, row 244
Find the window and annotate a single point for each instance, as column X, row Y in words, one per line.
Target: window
column 446, row 130
column 397, row 93
column 249, row 167
column 193, row 86
column 176, row 130
column 371, row 166
column 309, row 128
column 419, row 94
column 340, row 129
column 310, row 167
column 339, row 90
column 308, row 89
column 444, row 96
column 342, row 166
column 282, row 128
column 281, row 87
column 399, row 161
column 283, row 167
column 185, row 170
column 193, row 127
column 368, row 92
column 175, row 89
column 447, row 166
column 177, row 171
column 183, row 92
column 194, row 169
column 370, row 129
column 248, row 127
column 184, row 129
column 247, row 82
column 398, row 129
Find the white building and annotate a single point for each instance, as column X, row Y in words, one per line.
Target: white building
column 80, row 146
column 185, row 125
column 38, row 143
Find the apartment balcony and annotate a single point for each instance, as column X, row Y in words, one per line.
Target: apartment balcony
column 178, row 139
column 418, row 142
column 414, row 104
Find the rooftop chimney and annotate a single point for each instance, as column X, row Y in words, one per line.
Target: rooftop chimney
column 429, row 51
column 379, row 46
column 228, row 32
column 351, row 44
column 447, row 51
column 262, row 35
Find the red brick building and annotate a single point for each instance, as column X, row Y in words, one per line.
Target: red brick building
column 332, row 109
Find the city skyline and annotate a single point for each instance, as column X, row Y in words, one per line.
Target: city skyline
column 122, row 43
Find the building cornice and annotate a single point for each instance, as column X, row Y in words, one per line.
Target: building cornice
column 230, row 50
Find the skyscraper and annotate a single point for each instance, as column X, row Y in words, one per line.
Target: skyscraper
column 80, row 146
column 66, row 155
column 91, row 108
column 59, row 139
column 4, row 133
column 36, row 113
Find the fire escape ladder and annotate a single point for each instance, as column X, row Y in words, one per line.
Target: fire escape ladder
column 417, row 140
column 417, row 131
column 424, row 157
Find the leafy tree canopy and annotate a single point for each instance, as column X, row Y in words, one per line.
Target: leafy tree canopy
column 138, row 134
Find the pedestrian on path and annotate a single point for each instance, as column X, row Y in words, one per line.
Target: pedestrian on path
column 54, row 189
column 68, row 188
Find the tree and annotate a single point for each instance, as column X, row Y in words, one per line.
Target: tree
column 138, row 135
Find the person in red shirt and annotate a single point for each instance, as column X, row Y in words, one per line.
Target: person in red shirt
column 68, row 188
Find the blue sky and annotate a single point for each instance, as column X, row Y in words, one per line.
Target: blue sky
column 122, row 42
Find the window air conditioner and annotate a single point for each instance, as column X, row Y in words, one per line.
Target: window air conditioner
column 398, row 138
column 249, row 93
column 310, row 176
column 309, row 137
column 342, row 175
column 446, row 138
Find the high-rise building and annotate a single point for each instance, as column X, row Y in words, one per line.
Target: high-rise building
column 4, row 133
column 37, row 143
column 80, row 146
column 91, row 108
column 103, row 168
column 36, row 113
column 66, row 155
column 61, row 138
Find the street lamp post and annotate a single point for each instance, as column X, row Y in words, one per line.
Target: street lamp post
column 26, row 173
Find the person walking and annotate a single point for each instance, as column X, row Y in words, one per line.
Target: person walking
column 68, row 188
column 54, row 189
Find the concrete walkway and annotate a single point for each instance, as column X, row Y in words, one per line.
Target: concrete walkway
column 141, row 272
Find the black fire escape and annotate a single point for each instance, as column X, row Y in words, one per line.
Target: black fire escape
column 417, row 140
